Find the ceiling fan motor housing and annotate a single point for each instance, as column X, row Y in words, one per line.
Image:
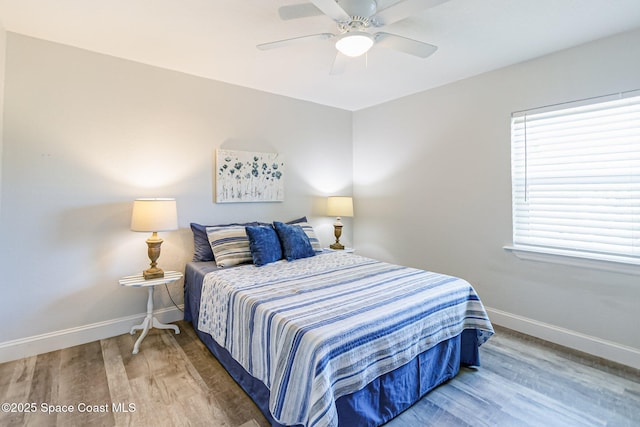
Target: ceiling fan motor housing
column 357, row 23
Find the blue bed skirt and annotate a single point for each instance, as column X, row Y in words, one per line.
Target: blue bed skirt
column 381, row 400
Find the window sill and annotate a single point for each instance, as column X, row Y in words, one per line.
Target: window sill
column 576, row 259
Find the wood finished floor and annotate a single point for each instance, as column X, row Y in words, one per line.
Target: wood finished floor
column 175, row 381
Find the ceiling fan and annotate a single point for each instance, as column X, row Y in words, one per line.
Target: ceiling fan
column 355, row 19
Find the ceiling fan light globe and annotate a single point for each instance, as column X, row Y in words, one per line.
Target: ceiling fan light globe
column 354, row 43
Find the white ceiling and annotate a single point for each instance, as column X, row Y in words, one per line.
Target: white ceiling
column 216, row 39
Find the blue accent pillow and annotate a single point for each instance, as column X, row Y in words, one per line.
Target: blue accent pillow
column 295, row 243
column 264, row 244
column 309, row 231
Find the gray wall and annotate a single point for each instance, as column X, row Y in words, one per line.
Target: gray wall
column 3, row 45
column 85, row 134
column 432, row 186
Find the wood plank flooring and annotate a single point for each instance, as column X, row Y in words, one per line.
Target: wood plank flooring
column 175, row 381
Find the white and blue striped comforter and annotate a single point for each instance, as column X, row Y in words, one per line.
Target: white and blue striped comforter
column 318, row 328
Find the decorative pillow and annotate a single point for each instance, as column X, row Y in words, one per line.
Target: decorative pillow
column 295, row 243
column 309, row 231
column 201, row 246
column 264, row 244
column 229, row 244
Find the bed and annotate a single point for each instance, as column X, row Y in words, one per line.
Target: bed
column 333, row 338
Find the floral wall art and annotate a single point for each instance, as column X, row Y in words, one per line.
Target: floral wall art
column 243, row 176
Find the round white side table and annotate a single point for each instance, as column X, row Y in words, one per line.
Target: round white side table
column 138, row 281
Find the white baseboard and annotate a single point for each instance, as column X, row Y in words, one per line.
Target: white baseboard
column 609, row 350
column 31, row 346
column 38, row 344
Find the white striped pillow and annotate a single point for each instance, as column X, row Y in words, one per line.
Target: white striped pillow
column 230, row 245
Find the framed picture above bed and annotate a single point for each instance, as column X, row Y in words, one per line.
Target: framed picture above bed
column 244, row 176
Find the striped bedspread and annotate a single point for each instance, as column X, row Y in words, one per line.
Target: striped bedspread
column 318, row 328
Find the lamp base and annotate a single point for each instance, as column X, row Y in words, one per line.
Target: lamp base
column 337, row 231
column 153, row 273
column 153, row 250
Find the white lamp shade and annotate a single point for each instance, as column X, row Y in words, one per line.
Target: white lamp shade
column 154, row 215
column 339, row 206
column 354, row 43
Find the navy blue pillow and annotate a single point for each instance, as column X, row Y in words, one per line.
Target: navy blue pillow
column 295, row 243
column 201, row 246
column 295, row 221
column 264, row 244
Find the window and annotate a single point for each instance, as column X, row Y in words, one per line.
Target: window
column 576, row 179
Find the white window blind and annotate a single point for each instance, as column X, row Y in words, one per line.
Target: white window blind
column 576, row 179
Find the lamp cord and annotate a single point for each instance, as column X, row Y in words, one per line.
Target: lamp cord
column 166, row 286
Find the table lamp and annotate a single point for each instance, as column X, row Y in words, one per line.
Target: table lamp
column 339, row 206
column 154, row 215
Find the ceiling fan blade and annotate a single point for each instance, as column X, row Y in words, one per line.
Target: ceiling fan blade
column 402, row 10
column 339, row 64
column 295, row 11
column 332, row 9
column 403, row 44
column 294, row 40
